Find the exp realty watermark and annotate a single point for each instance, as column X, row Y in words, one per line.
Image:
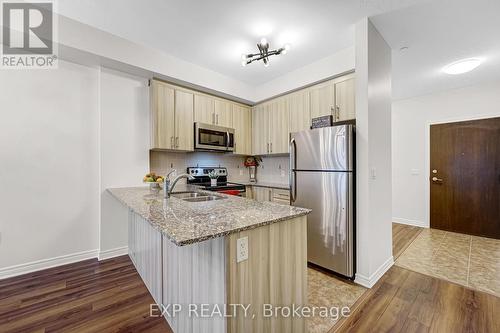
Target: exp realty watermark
column 29, row 32
column 245, row 310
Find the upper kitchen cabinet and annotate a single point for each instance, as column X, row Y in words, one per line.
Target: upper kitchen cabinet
column 223, row 113
column 172, row 110
column 163, row 115
column 322, row 99
column 270, row 128
column 335, row 97
column 278, row 126
column 204, row 109
column 242, row 124
column 299, row 109
column 184, row 120
column 260, row 130
column 345, row 105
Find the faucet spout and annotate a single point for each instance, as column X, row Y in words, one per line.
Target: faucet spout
column 169, row 186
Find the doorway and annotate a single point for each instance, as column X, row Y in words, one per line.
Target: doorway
column 465, row 177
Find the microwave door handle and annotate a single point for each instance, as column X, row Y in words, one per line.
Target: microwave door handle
column 227, row 140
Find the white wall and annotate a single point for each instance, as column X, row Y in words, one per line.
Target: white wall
column 125, row 143
column 332, row 65
column 49, row 193
column 373, row 144
column 411, row 119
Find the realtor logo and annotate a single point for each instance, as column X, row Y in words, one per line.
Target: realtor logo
column 28, row 35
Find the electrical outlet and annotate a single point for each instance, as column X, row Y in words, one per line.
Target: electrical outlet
column 241, row 249
column 241, row 172
column 283, row 173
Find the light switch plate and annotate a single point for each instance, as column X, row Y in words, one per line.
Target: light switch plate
column 241, row 249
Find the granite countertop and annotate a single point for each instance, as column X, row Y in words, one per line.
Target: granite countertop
column 186, row 222
column 264, row 184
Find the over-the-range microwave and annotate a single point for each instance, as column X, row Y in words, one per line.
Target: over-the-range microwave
column 212, row 137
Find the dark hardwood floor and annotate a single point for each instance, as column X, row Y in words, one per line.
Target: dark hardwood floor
column 405, row 301
column 402, row 236
column 89, row 296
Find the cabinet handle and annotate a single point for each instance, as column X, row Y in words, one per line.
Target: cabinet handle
column 217, row 119
column 213, row 118
column 337, row 109
column 171, row 142
column 177, row 142
column 268, row 147
column 271, row 147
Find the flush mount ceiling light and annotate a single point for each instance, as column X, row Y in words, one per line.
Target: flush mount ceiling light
column 462, row 66
column 264, row 53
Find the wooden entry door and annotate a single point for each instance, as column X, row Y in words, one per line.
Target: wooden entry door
column 465, row 177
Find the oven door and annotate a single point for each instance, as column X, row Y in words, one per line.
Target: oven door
column 210, row 137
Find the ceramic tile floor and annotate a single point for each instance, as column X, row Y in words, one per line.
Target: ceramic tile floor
column 329, row 291
column 470, row 261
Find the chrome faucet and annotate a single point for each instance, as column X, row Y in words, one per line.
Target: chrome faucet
column 168, row 185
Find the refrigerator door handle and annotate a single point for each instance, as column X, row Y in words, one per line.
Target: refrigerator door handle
column 293, row 162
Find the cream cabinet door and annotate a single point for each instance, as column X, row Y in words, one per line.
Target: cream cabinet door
column 260, row 130
column 345, row 103
column 184, row 120
column 299, row 109
column 322, row 99
column 223, row 113
column 163, row 115
column 261, row 193
column 242, row 124
column 278, row 126
column 204, row 109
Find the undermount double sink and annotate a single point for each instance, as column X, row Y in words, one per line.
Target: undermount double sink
column 196, row 196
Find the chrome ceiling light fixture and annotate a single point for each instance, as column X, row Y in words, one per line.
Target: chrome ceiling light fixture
column 264, row 53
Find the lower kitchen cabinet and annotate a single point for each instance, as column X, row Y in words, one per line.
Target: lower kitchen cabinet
column 276, row 195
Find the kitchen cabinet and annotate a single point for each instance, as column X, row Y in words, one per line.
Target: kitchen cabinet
column 299, row 110
column 280, row 196
column 184, row 130
column 223, row 113
column 163, row 115
column 260, row 130
column 261, row 193
column 172, row 117
column 335, row 97
column 270, row 128
column 204, row 109
column 322, row 99
column 242, row 124
column 345, row 104
column 211, row 110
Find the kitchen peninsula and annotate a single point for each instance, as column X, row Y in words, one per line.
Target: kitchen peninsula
column 223, row 251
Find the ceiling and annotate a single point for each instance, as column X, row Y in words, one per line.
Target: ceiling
column 214, row 34
column 436, row 34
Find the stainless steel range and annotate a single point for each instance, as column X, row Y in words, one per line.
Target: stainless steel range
column 201, row 178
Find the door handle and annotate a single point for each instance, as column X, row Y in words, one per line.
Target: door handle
column 291, row 177
column 437, row 180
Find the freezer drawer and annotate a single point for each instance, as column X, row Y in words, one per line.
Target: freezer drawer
column 330, row 224
column 328, row 148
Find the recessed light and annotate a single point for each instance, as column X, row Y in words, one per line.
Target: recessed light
column 462, row 66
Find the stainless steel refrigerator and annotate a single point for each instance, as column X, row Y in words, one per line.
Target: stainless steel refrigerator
column 322, row 179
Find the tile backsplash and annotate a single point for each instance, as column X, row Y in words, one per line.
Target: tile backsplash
column 272, row 169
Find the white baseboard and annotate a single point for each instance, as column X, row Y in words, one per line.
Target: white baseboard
column 415, row 223
column 46, row 263
column 116, row 252
column 370, row 281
